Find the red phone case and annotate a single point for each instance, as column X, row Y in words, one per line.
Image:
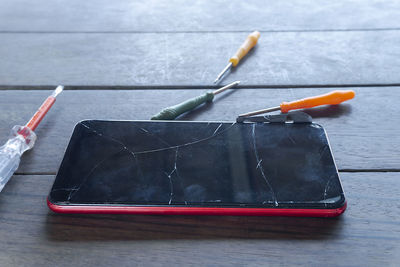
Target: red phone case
column 154, row 210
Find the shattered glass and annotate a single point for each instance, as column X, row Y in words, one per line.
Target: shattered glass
column 172, row 163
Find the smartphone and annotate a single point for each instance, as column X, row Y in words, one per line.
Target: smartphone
column 198, row 168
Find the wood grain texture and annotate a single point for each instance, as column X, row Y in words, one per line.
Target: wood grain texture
column 367, row 234
column 180, row 15
column 194, row 59
column 363, row 134
column 180, row 44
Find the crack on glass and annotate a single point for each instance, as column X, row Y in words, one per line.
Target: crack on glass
column 138, row 165
column 259, row 163
column 216, row 130
column 176, row 168
column 62, row 189
column 216, row 133
column 169, row 175
column 322, row 151
column 291, row 138
column 260, row 167
column 186, row 144
column 171, row 187
column 327, row 186
column 104, row 136
column 152, row 134
column 73, row 191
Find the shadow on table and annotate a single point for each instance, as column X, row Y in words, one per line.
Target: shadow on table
column 75, row 227
column 330, row 111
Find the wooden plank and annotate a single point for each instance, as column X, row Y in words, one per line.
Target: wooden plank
column 195, row 59
column 362, row 132
column 178, row 15
column 367, row 234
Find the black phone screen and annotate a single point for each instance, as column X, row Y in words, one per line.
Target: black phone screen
column 206, row 164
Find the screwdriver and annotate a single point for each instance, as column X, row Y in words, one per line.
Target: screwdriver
column 332, row 98
column 23, row 138
column 248, row 44
column 172, row 112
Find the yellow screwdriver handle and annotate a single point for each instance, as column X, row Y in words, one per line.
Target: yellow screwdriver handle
column 248, row 44
column 332, row 98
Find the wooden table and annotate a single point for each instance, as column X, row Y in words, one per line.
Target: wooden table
column 127, row 60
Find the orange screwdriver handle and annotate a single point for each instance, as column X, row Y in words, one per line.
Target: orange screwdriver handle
column 332, row 98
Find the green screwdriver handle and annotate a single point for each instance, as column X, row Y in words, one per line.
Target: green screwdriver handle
column 172, row 112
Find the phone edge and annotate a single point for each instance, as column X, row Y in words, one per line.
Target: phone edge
column 153, row 210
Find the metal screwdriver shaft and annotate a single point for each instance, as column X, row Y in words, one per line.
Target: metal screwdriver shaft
column 223, row 72
column 172, row 112
column 226, row 87
column 261, row 111
column 248, row 44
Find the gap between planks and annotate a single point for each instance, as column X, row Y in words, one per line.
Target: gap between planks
column 199, row 31
column 182, row 87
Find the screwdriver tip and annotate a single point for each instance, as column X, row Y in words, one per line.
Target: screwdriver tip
column 223, row 72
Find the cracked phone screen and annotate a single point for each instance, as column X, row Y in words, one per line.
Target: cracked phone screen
column 210, row 164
